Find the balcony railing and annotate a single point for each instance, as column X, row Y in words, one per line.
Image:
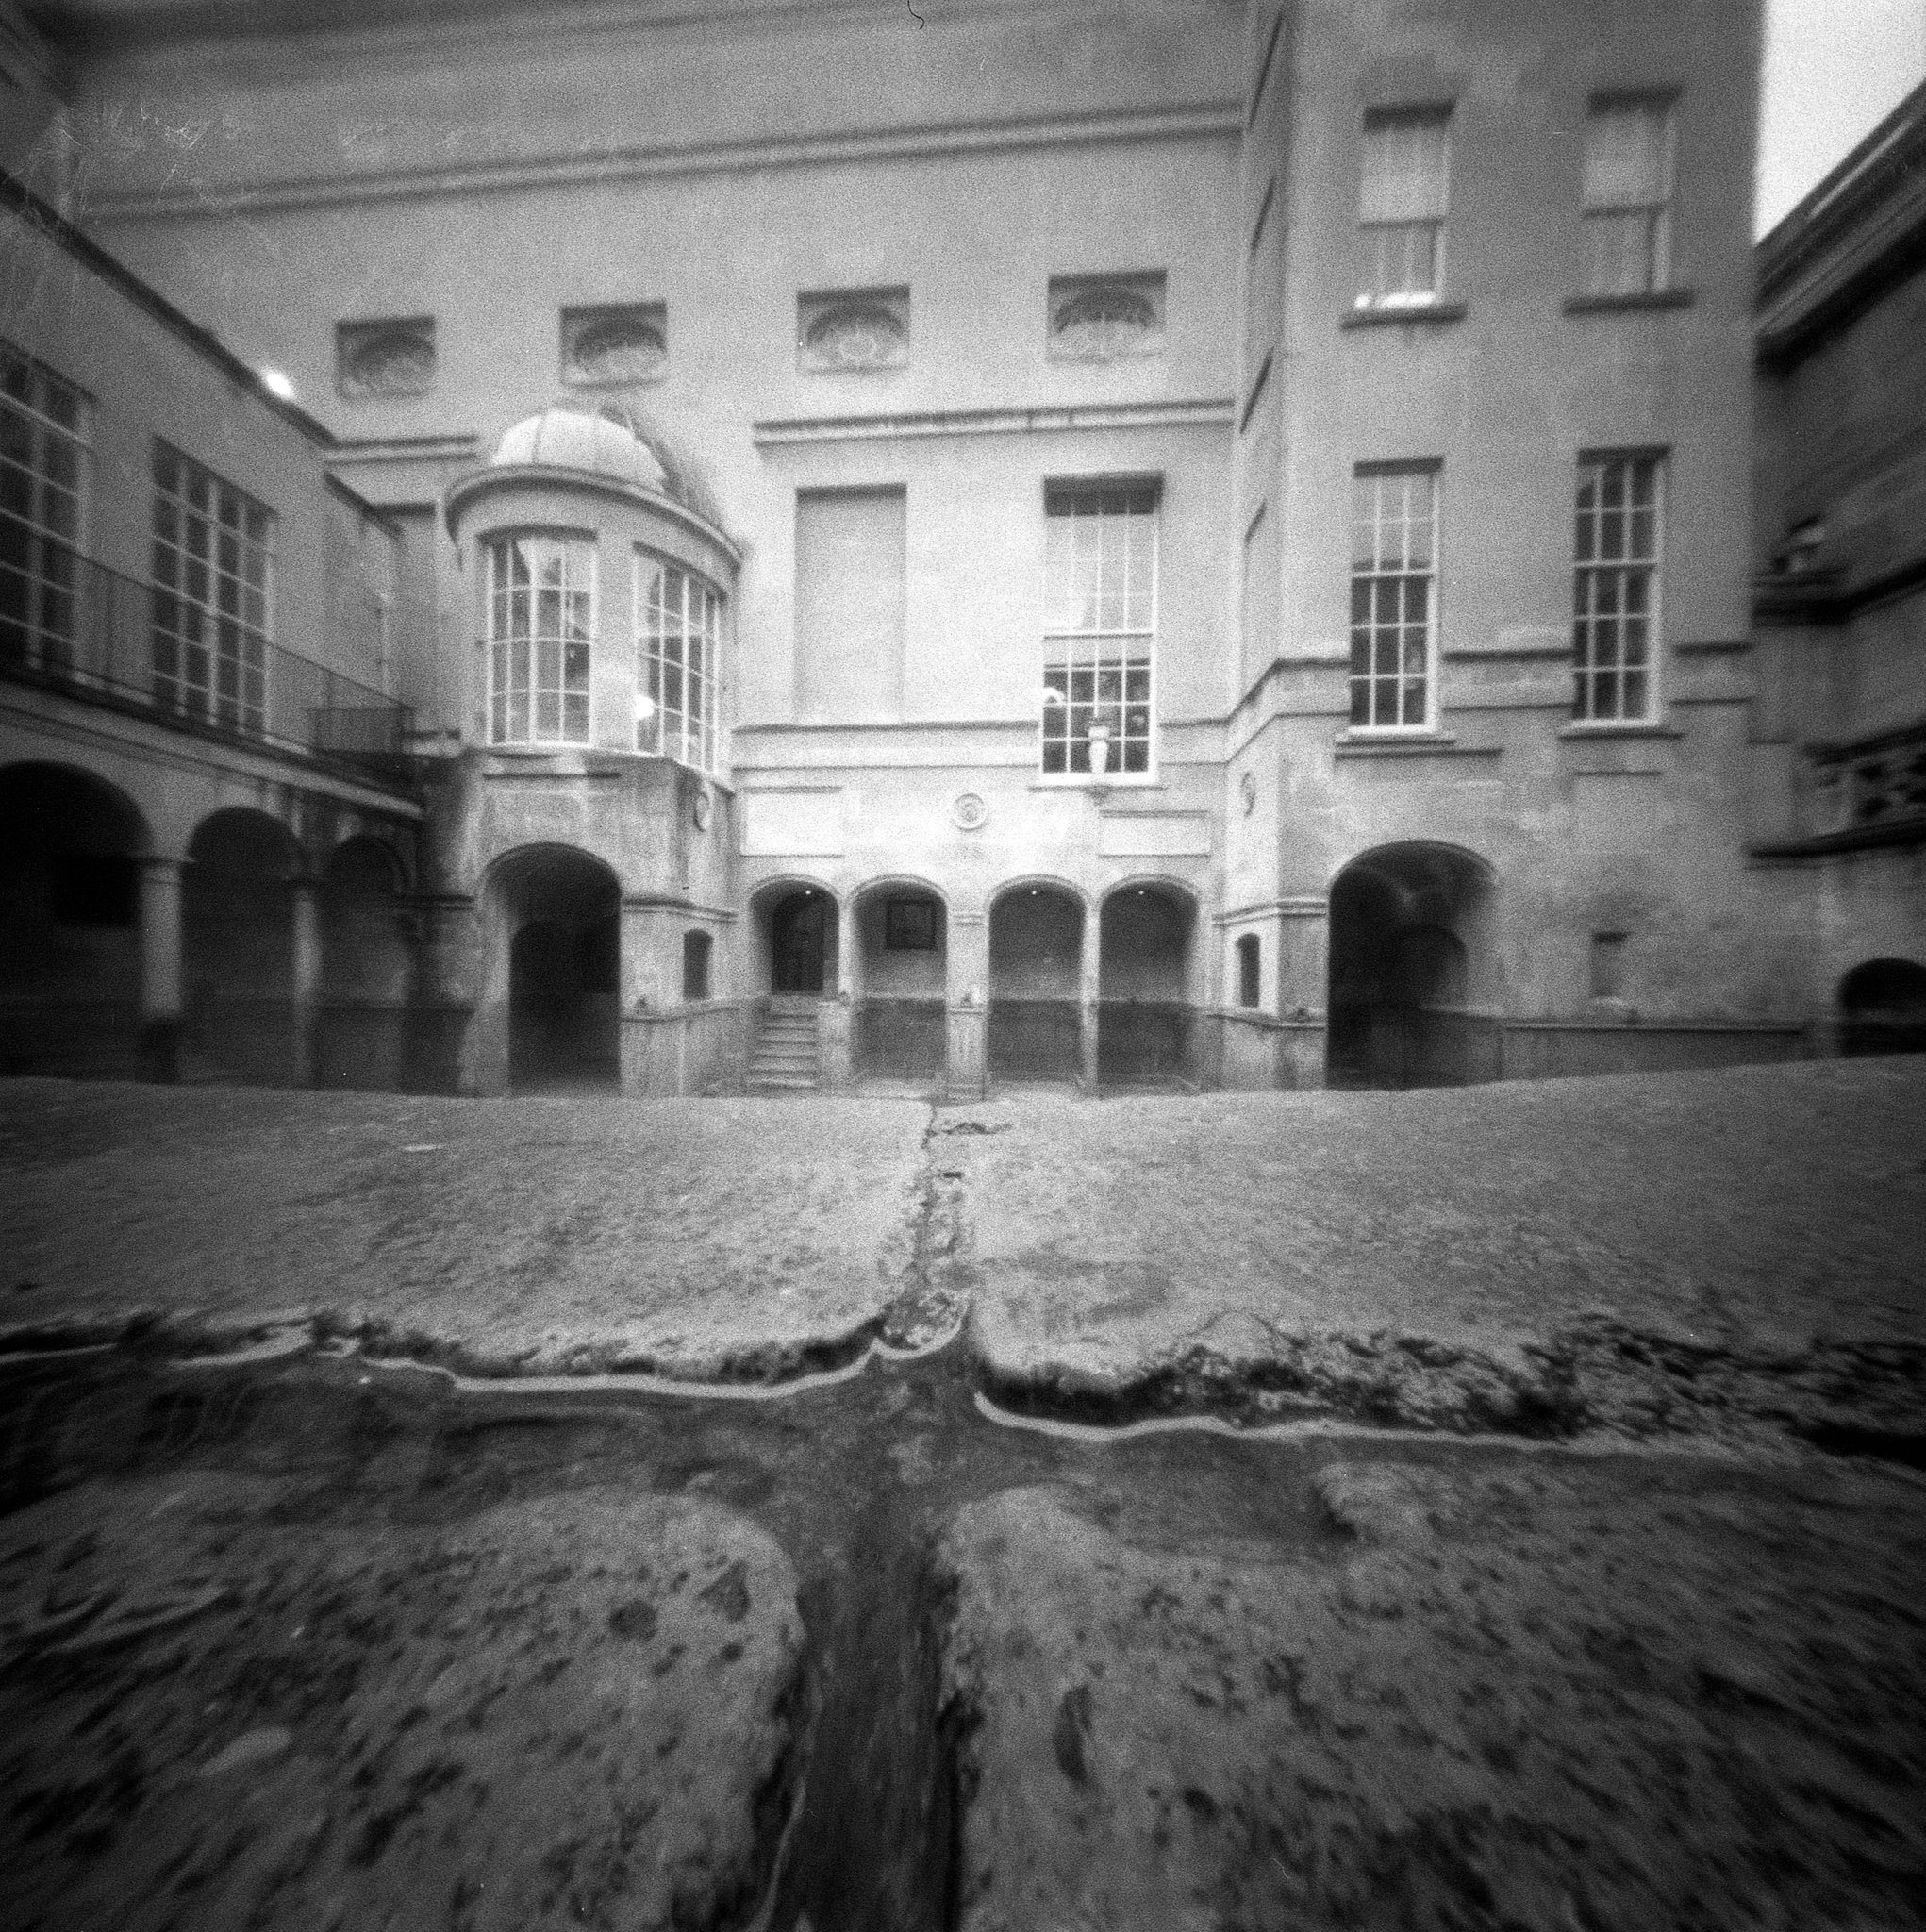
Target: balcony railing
column 1876, row 786
column 72, row 623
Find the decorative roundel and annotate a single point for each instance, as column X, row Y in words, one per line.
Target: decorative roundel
column 858, row 335
column 1104, row 322
column 701, row 809
column 969, row 810
column 1249, row 788
column 617, row 349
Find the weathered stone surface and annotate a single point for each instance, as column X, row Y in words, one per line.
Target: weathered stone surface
column 1589, row 1700
column 699, row 1238
column 575, row 1710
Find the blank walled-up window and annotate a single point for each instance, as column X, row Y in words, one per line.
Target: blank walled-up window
column 1249, row 965
column 1615, row 587
column 696, row 949
column 1393, row 596
column 1628, row 197
column 850, row 603
column 1401, row 208
column 1099, row 597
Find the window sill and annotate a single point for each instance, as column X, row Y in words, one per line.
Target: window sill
column 1389, row 317
column 1648, row 298
column 1613, row 728
column 1408, row 745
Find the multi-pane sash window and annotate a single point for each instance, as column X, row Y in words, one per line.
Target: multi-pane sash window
column 1099, row 596
column 1615, row 587
column 1401, row 208
column 1628, row 193
column 212, row 556
column 44, row 425
column 1393, row 596
column 541, row 633
column 678, row 663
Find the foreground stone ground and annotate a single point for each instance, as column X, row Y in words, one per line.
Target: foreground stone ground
column 1573, row 1582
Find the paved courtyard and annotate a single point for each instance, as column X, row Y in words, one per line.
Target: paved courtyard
column 1485, row 1510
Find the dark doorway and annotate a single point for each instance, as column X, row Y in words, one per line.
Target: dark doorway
column 562, row 911
column 238, row 949
column 1145, row 1021
column 1404, row 920
column 1882, row 1008
column 1035, row 968
column 798, row 930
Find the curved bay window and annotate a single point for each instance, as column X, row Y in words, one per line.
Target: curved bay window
column 679, row 662
column 542, row 634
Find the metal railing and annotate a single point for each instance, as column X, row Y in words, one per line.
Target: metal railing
column 75, row 625
column 1876, row 785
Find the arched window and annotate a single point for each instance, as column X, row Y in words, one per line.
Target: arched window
column 1250, row 950
column 697, row 948
column 542, row 634
column 679, row 662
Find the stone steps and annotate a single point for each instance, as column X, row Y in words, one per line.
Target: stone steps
column 784, row 1060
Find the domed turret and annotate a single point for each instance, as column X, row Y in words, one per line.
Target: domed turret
column 604, row 441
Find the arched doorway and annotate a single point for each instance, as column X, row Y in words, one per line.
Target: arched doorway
column 1036, row 972
column 557, row 913
column 801, row 927
column 238, row 949
column 1406, row 924
column 1145, row 1021
column 70, row 932
column 367, row 968
column 1882, row 1008
column 901, row 938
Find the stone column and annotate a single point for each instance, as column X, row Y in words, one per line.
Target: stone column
column 305, row 993
column 160, row 975
column 1304, row 978
column 966, row 1003
column 1090, row 985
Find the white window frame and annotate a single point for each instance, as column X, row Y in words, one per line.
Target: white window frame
column 213, row 571
column 1604, row 560
column 1655, row 217
column 690, row 735
column 1074, row 652
column 49, row 620
column 1378, row 236
column 500, row 644
column 1393, row 573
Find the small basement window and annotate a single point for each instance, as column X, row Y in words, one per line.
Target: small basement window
column 1250, row 968
column 696, row 949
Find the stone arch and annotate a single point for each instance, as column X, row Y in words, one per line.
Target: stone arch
column 1037, row 928
column 70, row 846
column 797, row 923
column 1410, row 953
column 899, row 942
column 238, row 946
column 1147, row 934
column 1882, row 1006
column 550, row 1009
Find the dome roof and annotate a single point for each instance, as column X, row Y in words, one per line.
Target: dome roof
column 606, row 440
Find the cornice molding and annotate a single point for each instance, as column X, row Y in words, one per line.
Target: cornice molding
column 1210, row 119
column 780, row 432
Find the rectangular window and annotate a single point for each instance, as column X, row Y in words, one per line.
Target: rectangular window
column 44, row 430
column 1100, row 600
column 909, row 925
column 1401, row 208
column 1393, row 597
column 678, row 663
column 1615, row 587
column 1628, row 197
column 1250, row 969
column 541, row 635
column 213, row 599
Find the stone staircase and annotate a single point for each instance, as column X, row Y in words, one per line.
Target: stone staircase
column 783, row 1060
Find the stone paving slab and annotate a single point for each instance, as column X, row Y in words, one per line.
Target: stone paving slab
column 1475, row 1252
column 228, row 1703
column 703, row 1237
column 1518, row 1693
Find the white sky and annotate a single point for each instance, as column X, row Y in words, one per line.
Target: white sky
column 1834, row 69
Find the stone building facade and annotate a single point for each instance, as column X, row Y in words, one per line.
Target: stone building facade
column 1189, row 542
